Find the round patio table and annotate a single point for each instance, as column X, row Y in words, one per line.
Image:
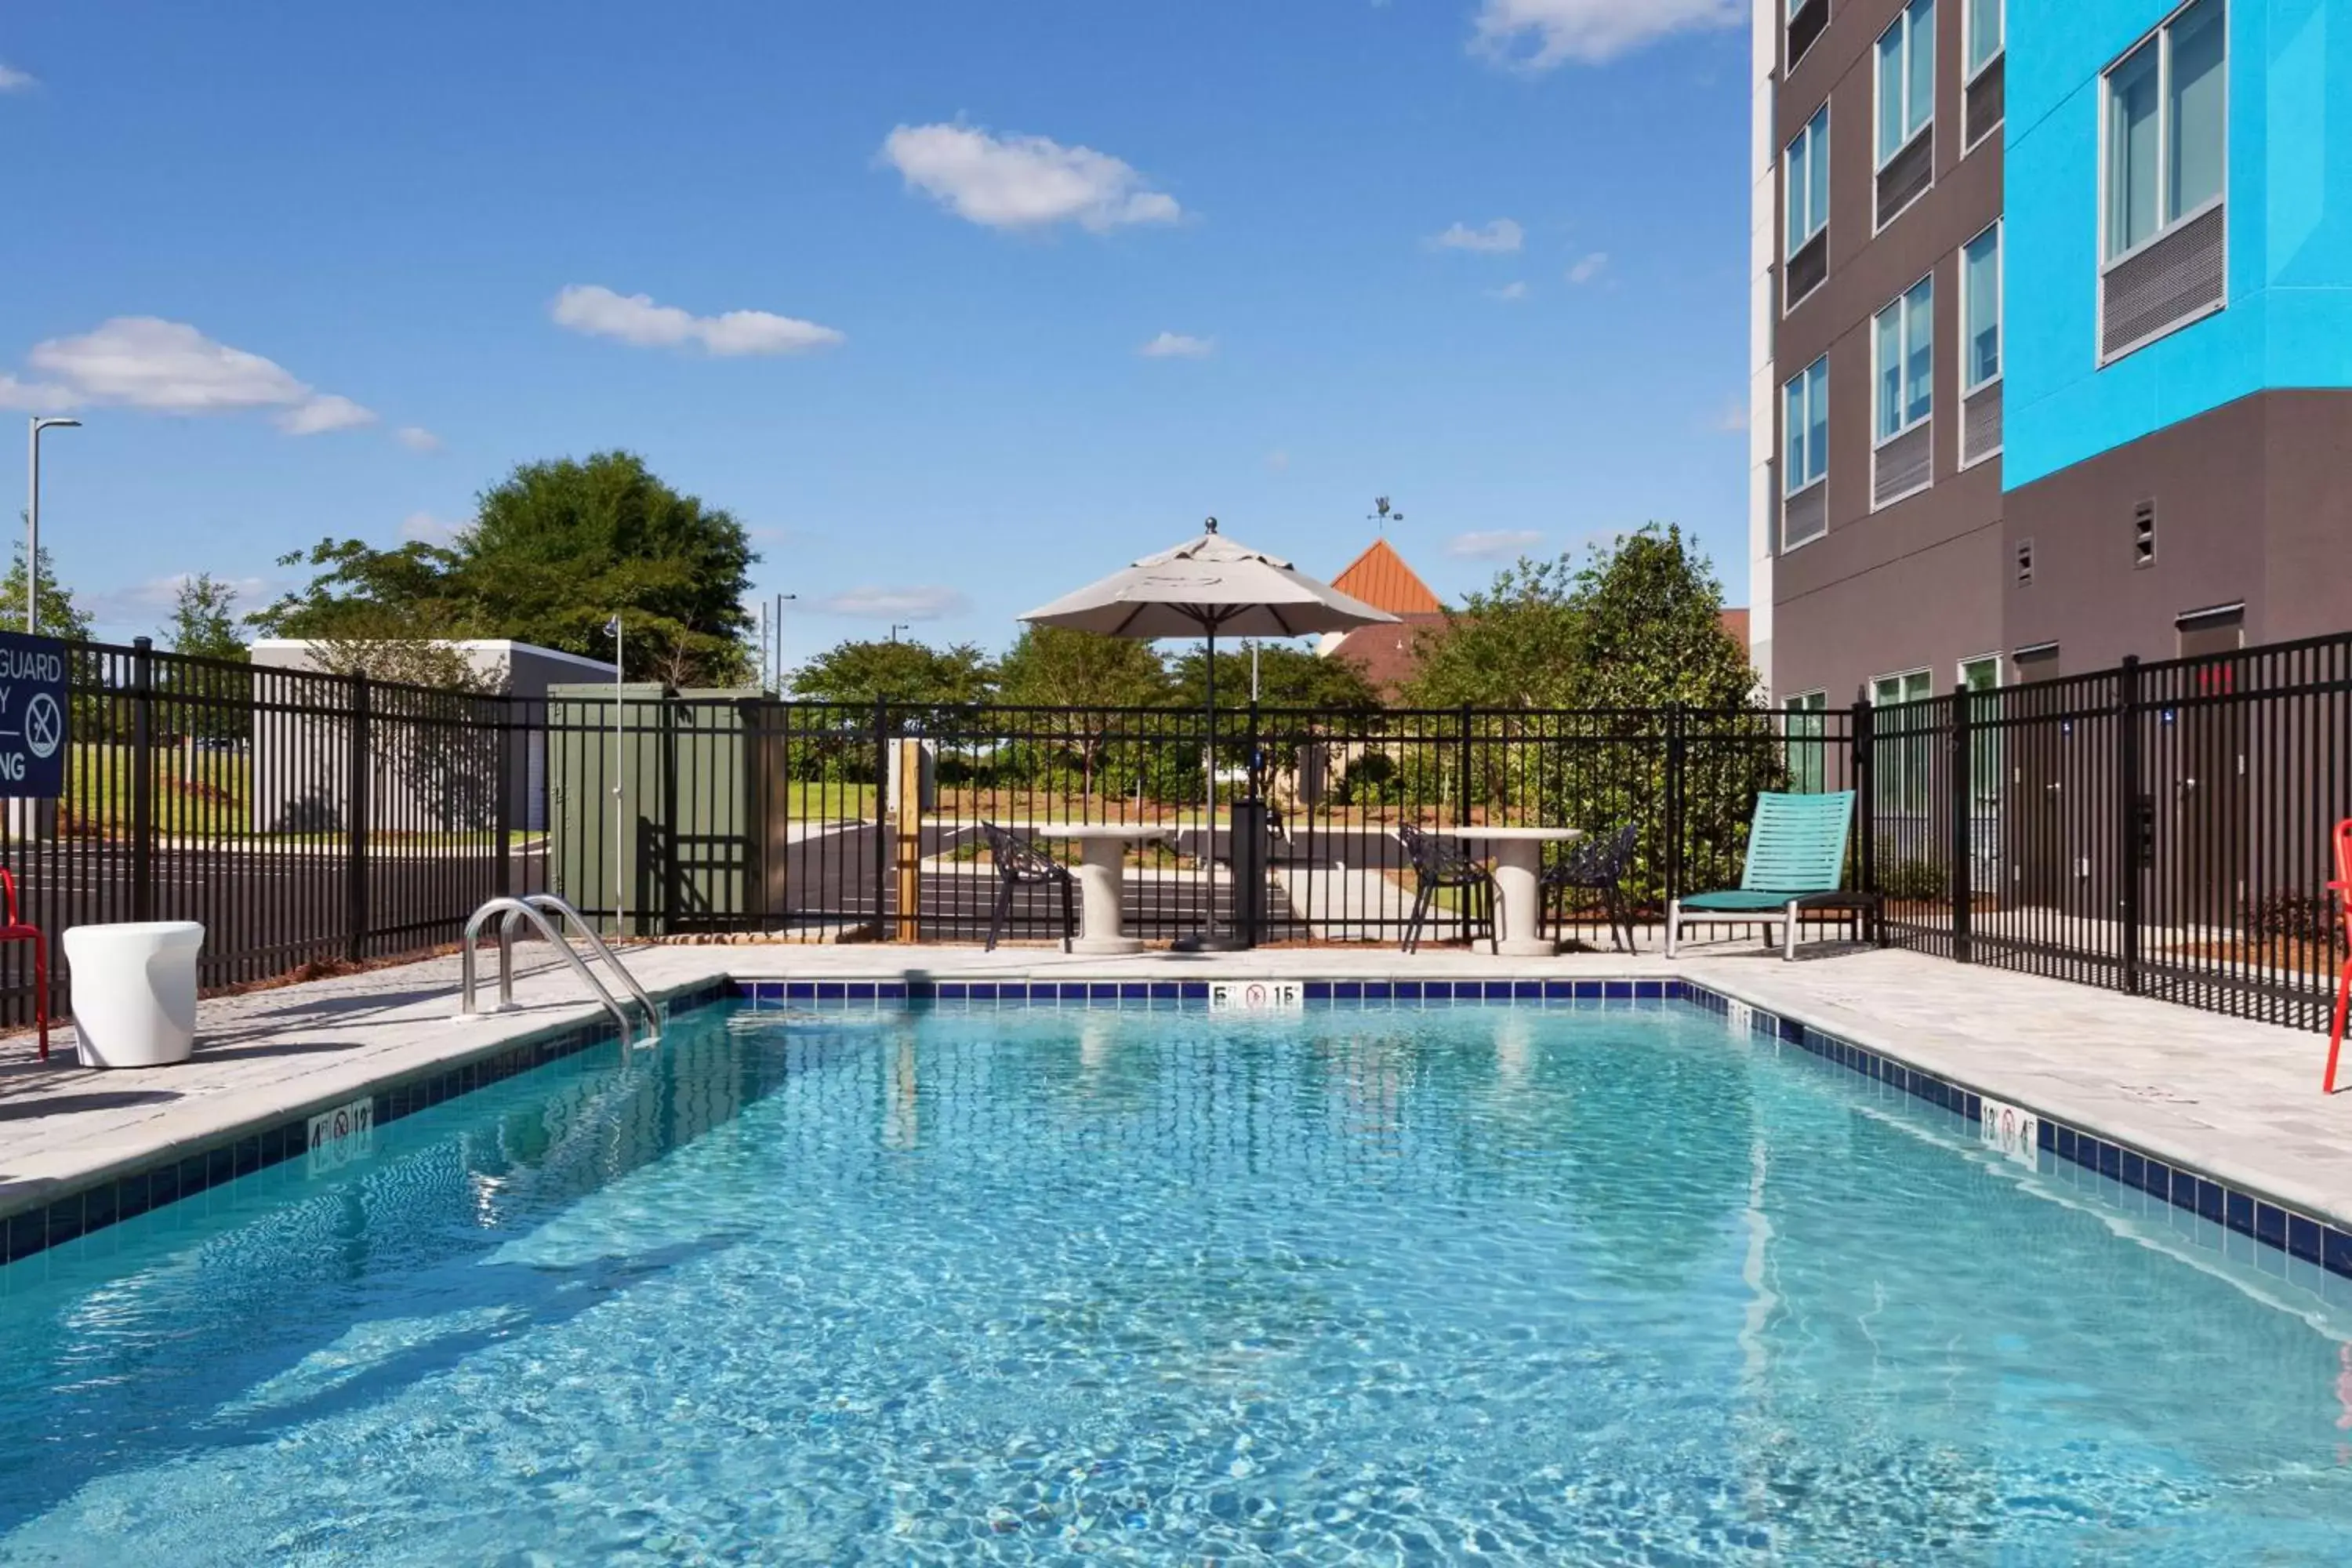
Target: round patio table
column 1101, row 874
column 1518, row 854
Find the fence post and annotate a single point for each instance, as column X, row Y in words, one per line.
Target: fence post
column 1461, row 769
column 1865, row 796
column 360, row 765
column 881, row 819
column 907, row 824
column 142, row 779
column 511, row 751
column 1963, row 799
column 2127, row 840
column 1677, row 762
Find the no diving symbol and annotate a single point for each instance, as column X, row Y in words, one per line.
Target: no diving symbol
column 44, row 725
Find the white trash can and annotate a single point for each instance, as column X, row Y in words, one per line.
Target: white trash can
column 134, row 992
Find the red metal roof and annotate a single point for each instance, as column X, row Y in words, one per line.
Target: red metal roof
column 1381, row 578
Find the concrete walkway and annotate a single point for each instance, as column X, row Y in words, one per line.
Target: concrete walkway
column 2237, row 1101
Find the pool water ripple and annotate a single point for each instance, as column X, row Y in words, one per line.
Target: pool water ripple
column 1466, row 1285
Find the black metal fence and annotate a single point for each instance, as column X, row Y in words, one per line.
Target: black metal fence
column 2156, row 828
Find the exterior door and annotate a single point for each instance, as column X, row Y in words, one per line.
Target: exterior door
column 2205, row 867
column 2036, row 746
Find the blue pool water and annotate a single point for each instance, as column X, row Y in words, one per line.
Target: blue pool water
column 1598, row 1286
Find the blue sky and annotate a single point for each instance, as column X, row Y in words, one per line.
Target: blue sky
column 308, row 270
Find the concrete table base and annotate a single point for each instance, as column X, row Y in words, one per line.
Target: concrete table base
column 1518, row 883
column 1102, row 875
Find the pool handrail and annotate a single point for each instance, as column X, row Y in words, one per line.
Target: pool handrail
column 548, row 903
column 516, row 909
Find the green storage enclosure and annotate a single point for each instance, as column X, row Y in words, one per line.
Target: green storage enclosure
column 690, row 851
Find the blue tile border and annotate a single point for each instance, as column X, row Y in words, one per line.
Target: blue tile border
column 244, row 1151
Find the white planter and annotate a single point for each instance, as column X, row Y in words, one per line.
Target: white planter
column 134, row 992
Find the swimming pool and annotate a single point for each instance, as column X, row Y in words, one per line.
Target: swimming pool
column 1600, row 1284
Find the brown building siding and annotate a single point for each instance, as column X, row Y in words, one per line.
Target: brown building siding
column 1916, row 583
column 2253, row 506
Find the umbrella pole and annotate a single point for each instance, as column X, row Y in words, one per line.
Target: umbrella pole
column 1236, row 938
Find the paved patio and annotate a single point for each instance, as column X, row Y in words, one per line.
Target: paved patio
column 2237, row 1101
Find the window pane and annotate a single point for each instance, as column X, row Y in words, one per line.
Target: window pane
column 1817, row 409
column 1919, row 342
column 2131, row 151
column 1890, row 92
column 1984, row 32
column 1817, row 166
column 1890, row 370
column 1817, row 405
column 2199, row 43
column 1793, row 427
column 1982, row 296
column 1920, row 37
column 1799, row 191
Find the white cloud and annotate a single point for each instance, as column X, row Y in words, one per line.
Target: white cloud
column 1493, row 546
column 1589, row 268
column 168, row 367
column 33, row 397
column 424, row 528
column 14, row 81
column 142, row 605
column 634, row 319
column 1510, row 293
column 1499, row 238
column 1024, row 182
column 417, row 438
column 1537, row 35
column 1176, row 345
column 324, row 414
column 916, row 604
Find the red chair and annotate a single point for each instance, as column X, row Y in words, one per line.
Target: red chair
column 16, row 930
column 2341, row 887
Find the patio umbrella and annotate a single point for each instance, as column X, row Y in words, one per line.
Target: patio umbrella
column 1209, row 585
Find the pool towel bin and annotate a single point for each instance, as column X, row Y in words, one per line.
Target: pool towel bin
column 134, row 992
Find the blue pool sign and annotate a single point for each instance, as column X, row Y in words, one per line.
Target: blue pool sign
column 33, row 707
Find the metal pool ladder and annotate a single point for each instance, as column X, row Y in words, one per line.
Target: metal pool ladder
column 533, row 909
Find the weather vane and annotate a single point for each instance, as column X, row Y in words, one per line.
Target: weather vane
column 1382, row 515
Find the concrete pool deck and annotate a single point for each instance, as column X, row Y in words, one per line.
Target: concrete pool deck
column 2237, row 1101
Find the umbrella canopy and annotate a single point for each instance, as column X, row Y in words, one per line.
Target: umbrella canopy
column 1211, row 587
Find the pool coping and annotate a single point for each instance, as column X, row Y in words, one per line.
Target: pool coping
column 39, row 1215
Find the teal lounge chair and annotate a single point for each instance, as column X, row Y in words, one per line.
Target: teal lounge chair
column 1796, row 860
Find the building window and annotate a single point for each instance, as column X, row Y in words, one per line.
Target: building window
column 1807, row 167
column 1980, row 315
column 1988, row 34
column 1903, row 744
column 1807, row 18
column 1805, row 454
column 2166, row 141
column 1906, row 78
column 1904, row 346
column 2166, row 129
column 1808, row 743
column 1906, row 360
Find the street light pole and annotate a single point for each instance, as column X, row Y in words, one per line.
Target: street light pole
column 33, row 518
column 776, row 624
column 897, row 626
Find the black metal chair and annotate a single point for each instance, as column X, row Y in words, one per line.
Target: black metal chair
column 1595, row 865
column 1021, row 864
column 1439, row 863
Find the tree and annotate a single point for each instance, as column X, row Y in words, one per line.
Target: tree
column 203, row 623
column 1055, row 667
column 1288, row 678
column 1515, row 643
column 1087, row 676
column 1649, row 628
column 902, row 673
column 60, row 616
column 553, row 554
